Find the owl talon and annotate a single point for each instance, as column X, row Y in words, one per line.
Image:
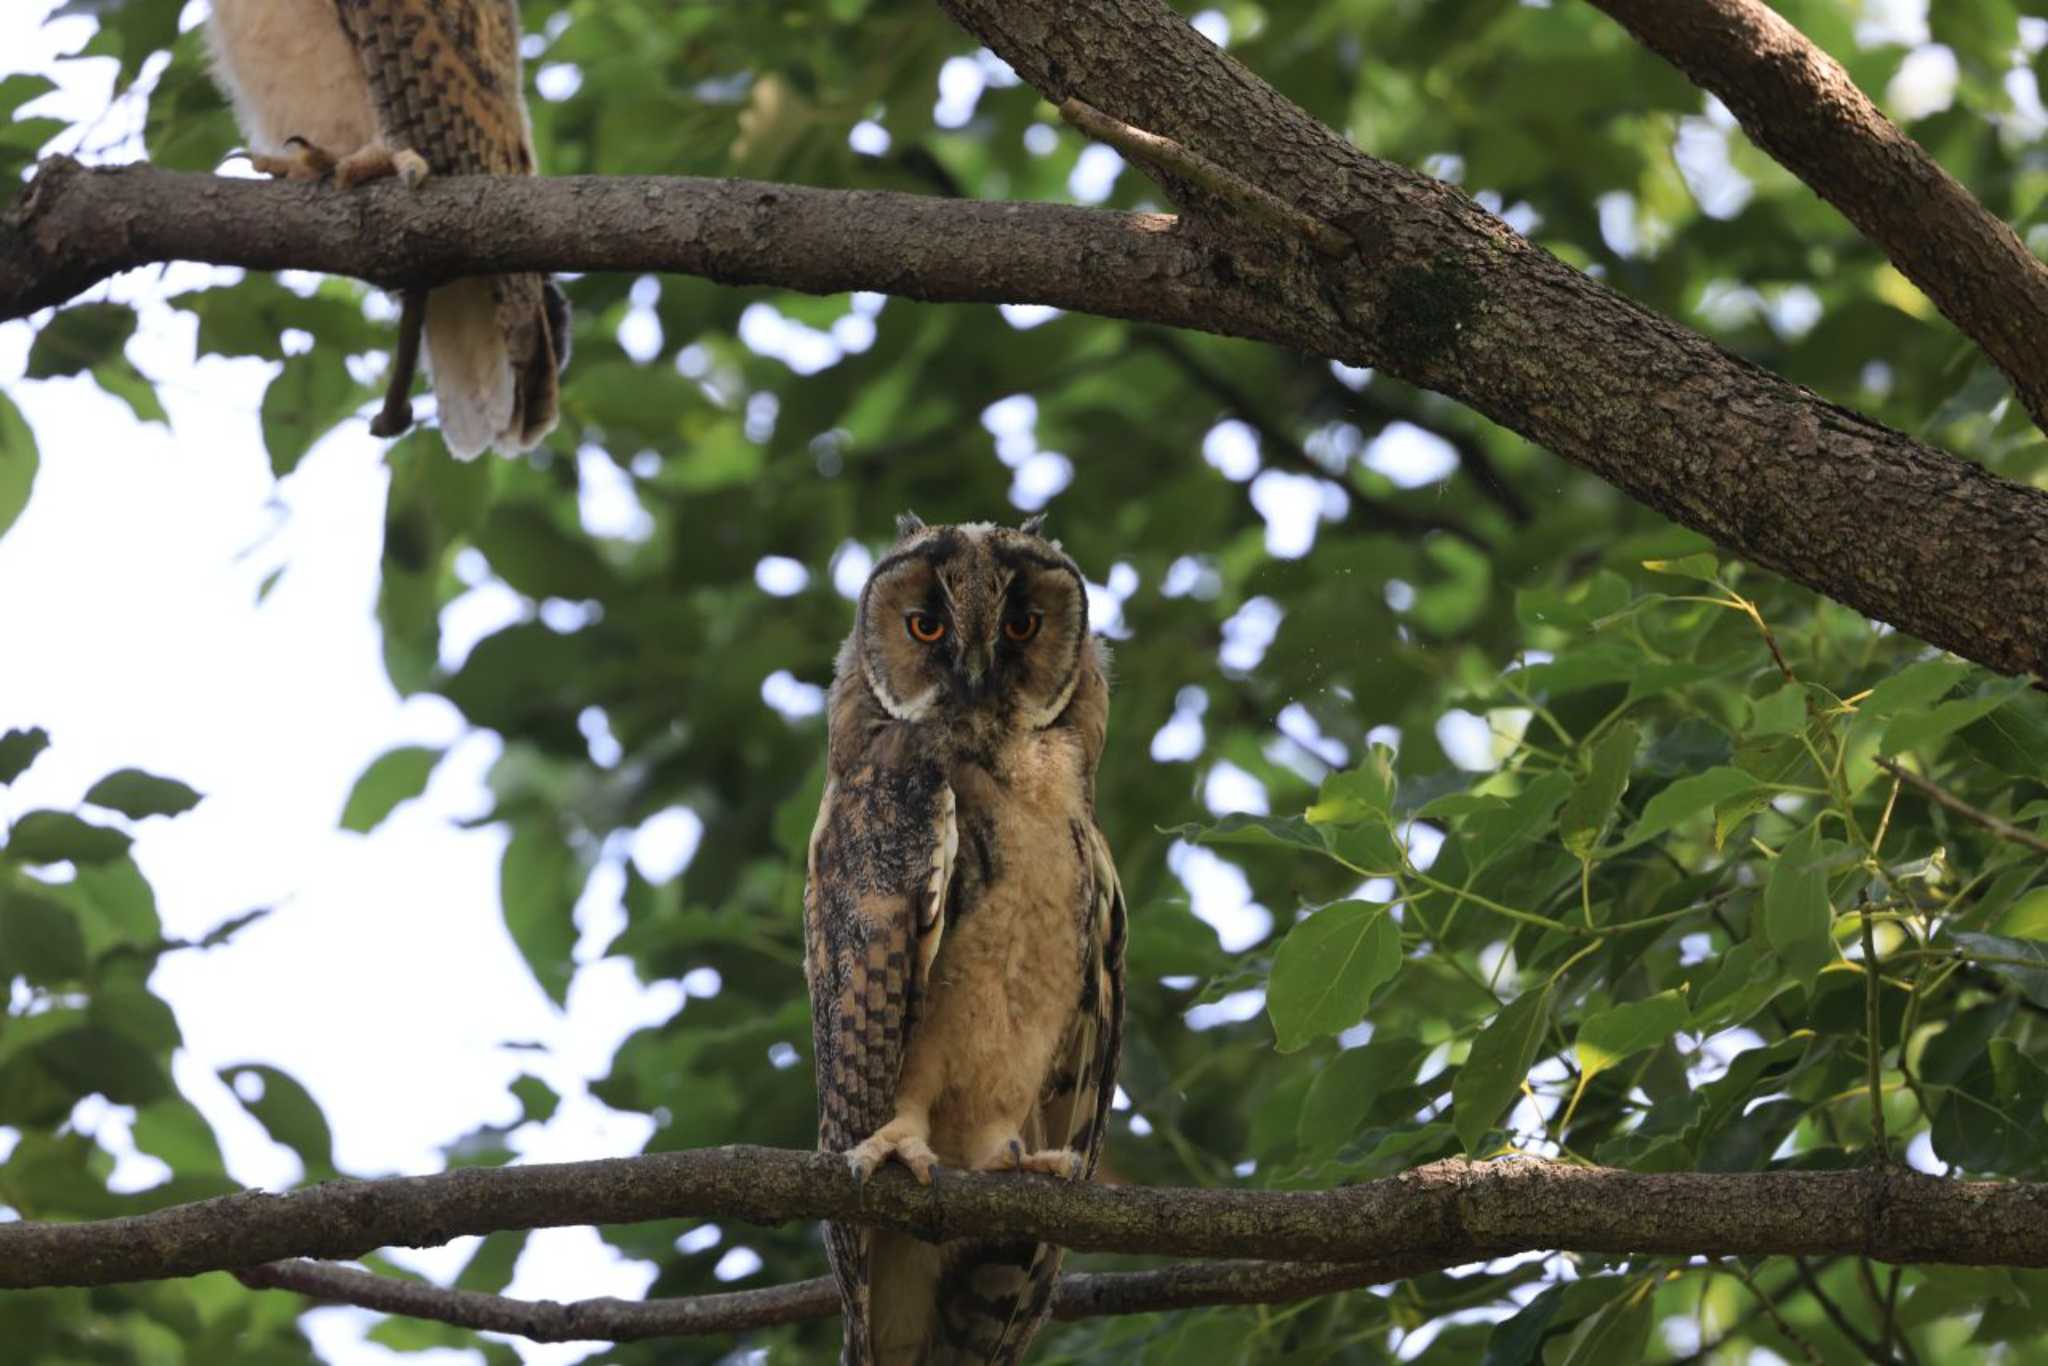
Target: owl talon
column 900, row 1141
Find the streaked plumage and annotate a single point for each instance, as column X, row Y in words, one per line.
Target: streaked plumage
column 964, row 920
column 356, row 89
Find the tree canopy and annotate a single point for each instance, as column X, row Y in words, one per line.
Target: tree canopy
column 1533, row 820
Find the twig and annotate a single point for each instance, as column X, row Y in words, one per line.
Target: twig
column 1840, row 1320
column 1220, row 181
column 1872, row 1022
column 2004, row 829
column 1078, row 1295
column 1783, row 1325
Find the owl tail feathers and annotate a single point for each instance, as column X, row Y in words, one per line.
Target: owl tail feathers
column 495, row 345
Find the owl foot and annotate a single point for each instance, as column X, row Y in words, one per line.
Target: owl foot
column 1010, row 1156
column 904, row 1142
column 301, row 161
column 376, row 161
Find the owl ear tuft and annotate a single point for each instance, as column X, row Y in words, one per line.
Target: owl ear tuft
column 908, row 524
column 1033, row 525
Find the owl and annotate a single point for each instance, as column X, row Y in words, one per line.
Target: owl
column 964, row 924
column 357, row 89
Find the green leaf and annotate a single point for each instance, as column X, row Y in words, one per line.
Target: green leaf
column 1363, row 794
column 288, row 1112
column 1686, row 798
column 308, row 396
column 489, row 1269
column 1797, row 915
column 1528, row 815
column 1990, row 1120
column 1327, row 969
column 538, row 882
column 1601, row 596
column 96, row 1059
column 1914, row 687
column 1597, row 794
column 1518, row 1340
column 1619, row 1332
column 19, row 748
column 39, row 939
column 394, row 776
column 1919, row 729
column 78, row 338
column 1500, row 1059
column 54, row 836
column 1781, row 713
column 537, row 1097
column 1343, row 1092
column 136, row 794
column 1610, row 1036
column 2031, row 981
column 1270, row 832
column 17, row 471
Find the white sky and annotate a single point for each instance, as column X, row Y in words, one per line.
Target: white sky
column 384, row 980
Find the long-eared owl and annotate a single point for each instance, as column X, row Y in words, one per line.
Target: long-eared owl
column 964, row 922
column 355, row 89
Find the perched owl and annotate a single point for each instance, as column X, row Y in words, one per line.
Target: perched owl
column 964, row 922
column 356, row 89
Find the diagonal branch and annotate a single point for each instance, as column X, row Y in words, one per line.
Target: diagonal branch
column 1451, row 1211
column 1078, row 1295
column 1798, row 104
column 1446, row 296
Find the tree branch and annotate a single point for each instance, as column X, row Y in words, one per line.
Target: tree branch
column 1439, row 293
column 1799, row 105
column 1078, row 1295
column 1447, row 296
column 1942, row 797
column 1451, row 1211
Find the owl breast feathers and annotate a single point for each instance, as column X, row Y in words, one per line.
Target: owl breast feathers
column 964, row 923
column 355, row 89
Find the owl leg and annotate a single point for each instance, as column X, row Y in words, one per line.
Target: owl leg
column 998, row 1150
column 907, row 1138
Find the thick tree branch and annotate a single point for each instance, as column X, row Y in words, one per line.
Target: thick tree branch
column 1799, row 105
column 1452, row 1211
column 1078, row 1295
column 1439, row 293
column 1445, row 295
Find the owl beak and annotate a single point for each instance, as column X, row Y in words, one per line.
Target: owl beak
column 971, row 674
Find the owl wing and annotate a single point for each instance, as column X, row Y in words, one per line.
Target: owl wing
column 881, row 857
column 444, row 80
column 1073, row 1112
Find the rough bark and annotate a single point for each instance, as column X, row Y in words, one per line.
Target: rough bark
column 1078, row 1295
column 1799, row 105
column 1450, row 1212
column 1438, row 292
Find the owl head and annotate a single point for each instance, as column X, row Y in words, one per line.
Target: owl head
column 975, row 618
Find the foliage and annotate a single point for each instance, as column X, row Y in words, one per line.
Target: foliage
column 1636, row 936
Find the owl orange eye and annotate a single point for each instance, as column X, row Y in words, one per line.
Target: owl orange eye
column 925, row 627
column 1021, row 629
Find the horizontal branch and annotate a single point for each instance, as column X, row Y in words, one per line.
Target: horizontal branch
column 1451, row 1211
column 1077, row 1295
column 76, row 226
column 1799, row 105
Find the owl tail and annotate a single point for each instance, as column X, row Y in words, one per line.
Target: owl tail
column 495, row 345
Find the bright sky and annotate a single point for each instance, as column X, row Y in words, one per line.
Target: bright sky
column 384, row 980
